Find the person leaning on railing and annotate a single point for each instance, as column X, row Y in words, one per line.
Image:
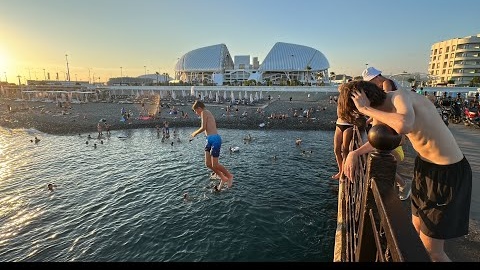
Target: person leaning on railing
column 442, row 180
column 375, row 76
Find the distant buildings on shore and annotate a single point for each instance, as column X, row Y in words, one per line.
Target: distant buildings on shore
column 455, row 61
column 285, row 65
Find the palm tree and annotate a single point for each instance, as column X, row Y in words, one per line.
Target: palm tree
column 157, row 76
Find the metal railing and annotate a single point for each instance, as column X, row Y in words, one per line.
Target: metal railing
column 373, row 225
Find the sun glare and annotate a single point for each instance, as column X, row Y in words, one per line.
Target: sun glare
column 4, row 62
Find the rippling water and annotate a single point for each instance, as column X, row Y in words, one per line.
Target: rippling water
column 123, row 201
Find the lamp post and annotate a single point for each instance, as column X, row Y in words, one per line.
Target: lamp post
column 121, row 75
column 68, row 69
column 44, row 75
column 19, row 83
column 366, row 65
column 89, row 78
column 5, row 73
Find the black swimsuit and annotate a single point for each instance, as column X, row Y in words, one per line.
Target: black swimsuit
column 344, row 127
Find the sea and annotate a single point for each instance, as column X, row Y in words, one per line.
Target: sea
column 120, row 198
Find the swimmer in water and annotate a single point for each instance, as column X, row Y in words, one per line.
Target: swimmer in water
column 50, row 186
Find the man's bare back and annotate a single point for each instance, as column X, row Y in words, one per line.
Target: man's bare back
column 429, row 136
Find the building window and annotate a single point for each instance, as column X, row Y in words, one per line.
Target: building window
column 447, row 49
column 443, row 72
column 446, row 56
column 435, row 52
column 444, row 64
column 450, row 64
column 454, row 47
column 438, row 65
column 452, row 55
column 440, row 51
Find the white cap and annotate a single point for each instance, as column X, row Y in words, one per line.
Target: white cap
column 369, row 73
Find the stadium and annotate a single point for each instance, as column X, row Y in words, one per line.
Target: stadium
column 285, row 64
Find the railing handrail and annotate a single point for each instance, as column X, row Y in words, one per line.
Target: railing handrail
column 373, row 225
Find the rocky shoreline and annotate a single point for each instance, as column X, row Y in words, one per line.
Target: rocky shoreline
column 80, row 118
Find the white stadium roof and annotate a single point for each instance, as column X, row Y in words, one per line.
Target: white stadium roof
column 213, row 58
column 288, row 57
column 282, row 57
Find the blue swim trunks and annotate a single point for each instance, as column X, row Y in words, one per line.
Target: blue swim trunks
column 214, row 142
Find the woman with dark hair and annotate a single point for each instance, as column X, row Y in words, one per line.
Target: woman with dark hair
column 341, row 142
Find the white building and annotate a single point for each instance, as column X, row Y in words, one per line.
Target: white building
column 456, row 60
column 285, row 64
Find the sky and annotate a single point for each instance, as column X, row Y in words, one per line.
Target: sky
column 108, row 38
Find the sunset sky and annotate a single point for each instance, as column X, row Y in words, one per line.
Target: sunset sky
column 101, row 36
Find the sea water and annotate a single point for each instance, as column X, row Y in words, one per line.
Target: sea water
column 123, row 199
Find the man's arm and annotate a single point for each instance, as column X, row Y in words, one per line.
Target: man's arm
column 350, row 164
column 401, row 121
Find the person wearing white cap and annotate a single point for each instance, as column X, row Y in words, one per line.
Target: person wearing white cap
column 374, row 75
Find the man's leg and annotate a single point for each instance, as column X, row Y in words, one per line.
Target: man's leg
column 434, row 247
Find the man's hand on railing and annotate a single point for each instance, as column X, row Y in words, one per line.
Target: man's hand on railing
column 350, row 165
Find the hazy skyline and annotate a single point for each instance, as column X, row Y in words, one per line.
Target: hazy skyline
column 150, row 35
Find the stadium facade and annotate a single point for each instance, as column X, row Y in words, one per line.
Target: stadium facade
column 285, row 64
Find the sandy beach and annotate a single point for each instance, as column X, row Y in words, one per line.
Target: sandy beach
column 80, row 118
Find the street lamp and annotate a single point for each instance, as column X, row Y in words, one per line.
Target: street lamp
column 44, row 75
column 68, row 69
column 121, row 75
column 5, row 73
column 366, row 66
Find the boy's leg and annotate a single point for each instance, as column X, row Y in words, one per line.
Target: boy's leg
column 212, row 164
column 222, row 172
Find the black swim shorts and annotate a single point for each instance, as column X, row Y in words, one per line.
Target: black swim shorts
column 441, row 198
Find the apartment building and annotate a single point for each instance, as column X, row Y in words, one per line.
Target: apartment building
column 455, row 61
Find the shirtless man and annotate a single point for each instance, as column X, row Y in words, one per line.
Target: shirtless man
column 375, row 76
column 442, row 180
column 213, row 145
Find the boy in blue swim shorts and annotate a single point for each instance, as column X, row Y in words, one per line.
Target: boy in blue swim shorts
column 213, row 144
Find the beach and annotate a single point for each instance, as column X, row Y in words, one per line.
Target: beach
column 49, row 117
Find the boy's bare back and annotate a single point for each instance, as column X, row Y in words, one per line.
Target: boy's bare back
column 208, row 122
